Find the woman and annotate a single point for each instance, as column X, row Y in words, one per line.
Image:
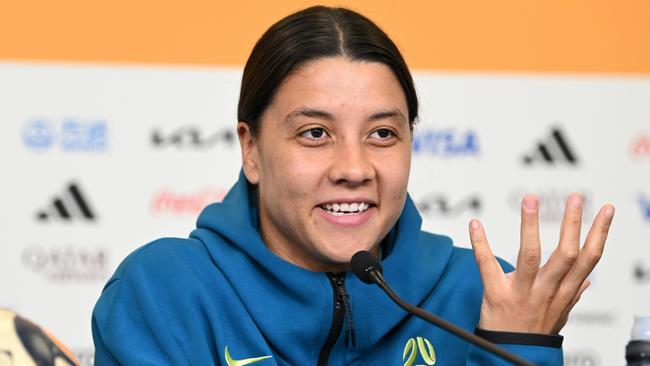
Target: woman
column 326, row 113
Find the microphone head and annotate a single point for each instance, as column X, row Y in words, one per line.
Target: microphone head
column 363, row 263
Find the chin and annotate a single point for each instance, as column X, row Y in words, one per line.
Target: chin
column 343, row 255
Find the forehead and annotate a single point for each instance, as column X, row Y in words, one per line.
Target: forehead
column 339, row 84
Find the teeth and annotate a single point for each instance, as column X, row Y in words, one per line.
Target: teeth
column 338, row 209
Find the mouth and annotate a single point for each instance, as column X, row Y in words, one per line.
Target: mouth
column 345, row 208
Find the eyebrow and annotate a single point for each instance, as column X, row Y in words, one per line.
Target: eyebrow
column 317, row 113
column 393, row 113
column 309, row 112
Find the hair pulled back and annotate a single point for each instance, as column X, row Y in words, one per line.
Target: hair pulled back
column 307, row 35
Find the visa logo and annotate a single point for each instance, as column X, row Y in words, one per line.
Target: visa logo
column 445, row 142
column 644, row 202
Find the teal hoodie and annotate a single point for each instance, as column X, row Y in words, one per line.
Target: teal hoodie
column 221, row 297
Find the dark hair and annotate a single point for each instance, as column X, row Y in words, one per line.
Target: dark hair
column 310, row 34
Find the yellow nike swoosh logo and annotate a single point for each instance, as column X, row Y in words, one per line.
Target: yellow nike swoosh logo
column 243, row 362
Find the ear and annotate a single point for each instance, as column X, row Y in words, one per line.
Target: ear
column 249, row 152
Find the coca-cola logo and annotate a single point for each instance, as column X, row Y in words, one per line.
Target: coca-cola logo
column 640, row 145
column 167, row 201
column 67, row 263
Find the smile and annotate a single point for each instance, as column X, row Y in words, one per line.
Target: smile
column 342, row 209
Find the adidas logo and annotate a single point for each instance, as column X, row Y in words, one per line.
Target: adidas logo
column 555, row 149
column 641, row 273
column 70, row 205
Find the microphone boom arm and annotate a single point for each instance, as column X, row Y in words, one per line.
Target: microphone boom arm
column 441, row 323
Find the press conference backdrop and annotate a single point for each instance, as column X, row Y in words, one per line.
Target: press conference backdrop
column 117, row 127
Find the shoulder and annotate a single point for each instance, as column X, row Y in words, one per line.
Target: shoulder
column 460, row 261
column 162, row 259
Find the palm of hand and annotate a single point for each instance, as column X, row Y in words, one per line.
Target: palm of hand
column 534, row 299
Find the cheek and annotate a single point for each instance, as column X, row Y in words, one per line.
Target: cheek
column 287, row 174
column 394, row 171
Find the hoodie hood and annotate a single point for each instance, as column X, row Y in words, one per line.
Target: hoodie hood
column 283, row 284
column 221, row 297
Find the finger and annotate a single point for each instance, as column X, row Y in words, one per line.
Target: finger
column 594, row 246
column 529, row 255
column 567, row 309
column 566, row 253
column 490, row 270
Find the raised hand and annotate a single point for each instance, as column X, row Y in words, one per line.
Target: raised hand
column 534, row 299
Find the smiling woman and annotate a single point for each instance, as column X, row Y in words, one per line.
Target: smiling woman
column 330, row 162
column 326, row 114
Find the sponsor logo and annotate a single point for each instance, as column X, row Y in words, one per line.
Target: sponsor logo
column 554, row 149
column 167, row 201
column 85, row 355
column 436, row 204
column 67, row 263
column 70, row 206
column 582, row 357
column 593, row 318
column 419, row 346
column 640, row 145
column 641, row 273
column 551, row 204
column 445, row 142
column 644, row 203
column 192, row 137
column 247, row 361
column 69, row 134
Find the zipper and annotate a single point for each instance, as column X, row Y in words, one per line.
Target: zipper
column 341, row 318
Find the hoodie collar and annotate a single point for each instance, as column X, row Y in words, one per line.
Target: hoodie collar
column 413, row 261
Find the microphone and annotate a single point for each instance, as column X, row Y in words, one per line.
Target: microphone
column 368, row 269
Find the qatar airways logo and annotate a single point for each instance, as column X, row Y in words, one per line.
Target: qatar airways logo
column 640, row 146
column 168, row 201
column 445, row 143
column 68, row 263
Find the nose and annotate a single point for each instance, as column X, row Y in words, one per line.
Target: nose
column 352, row 165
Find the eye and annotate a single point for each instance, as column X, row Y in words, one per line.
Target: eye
column 382, row 134
column 315, row 133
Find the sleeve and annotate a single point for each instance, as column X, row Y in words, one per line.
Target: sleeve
column 128, row 331
column 539, row 349
column 536, row 355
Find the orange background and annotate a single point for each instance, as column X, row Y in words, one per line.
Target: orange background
column 502, row 35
